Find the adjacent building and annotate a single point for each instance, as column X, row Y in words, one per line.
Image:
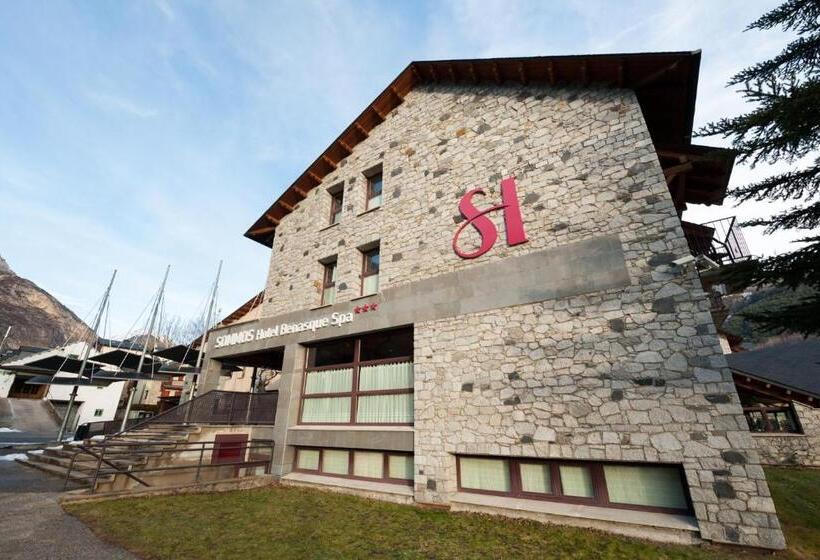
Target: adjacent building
column 480, row 297
column 779, row 388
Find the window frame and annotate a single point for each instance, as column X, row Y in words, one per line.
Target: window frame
column 767, row 415
column 355, row 392
column 350, row 465
column 600, row 497
column 365, row 274
column 337, row 200
column 368, row 194
column 327, row 279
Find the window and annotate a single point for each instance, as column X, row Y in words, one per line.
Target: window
column 374, row 191
column 329, row 283
column 772, row 419
column 98, row 412
column 364, row 380
column 337, row 194
column 628, row 486
column 385, row 466
column 370, row 271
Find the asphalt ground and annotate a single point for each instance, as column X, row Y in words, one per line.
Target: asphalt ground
column 36, row 527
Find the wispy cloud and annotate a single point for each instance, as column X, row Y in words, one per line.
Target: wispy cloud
column 117, row 103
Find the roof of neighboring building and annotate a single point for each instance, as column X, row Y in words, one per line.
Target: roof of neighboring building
column 793, row 365
column 664, row 82
column 243, row 309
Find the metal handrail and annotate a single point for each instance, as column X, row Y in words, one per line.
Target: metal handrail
column 104, row 449
column 188, row 406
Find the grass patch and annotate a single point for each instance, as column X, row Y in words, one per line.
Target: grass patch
column 286, row 522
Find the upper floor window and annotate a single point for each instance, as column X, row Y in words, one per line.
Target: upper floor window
column 374, row 190
column 329, row 283
column 370, row 271
column 336, row 200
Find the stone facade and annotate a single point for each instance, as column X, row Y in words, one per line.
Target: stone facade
column 633, row 373
column 793, row 449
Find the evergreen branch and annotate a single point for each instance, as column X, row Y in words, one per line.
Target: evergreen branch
column 798, row 268
column 799, row 317
column 801, row 56
column 799, row 15
column 784, row 125
column 792, row 185
column 807, row 217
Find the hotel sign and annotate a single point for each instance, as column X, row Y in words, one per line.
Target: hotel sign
column 249, row 335
column 513, row 223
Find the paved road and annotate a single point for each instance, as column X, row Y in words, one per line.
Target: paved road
column 35, row 526
column 30, row 418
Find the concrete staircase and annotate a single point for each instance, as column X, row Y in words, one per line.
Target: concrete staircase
column 130, row 450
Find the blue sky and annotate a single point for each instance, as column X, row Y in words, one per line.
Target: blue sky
column 144, row 133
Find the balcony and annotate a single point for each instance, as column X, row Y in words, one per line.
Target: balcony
column 721, row 241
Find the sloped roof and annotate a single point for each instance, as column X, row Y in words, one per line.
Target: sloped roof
column 793, row 365
column 665, row 84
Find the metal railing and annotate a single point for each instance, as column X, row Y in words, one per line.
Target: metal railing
column 213, row 407
column 97, row 460
column 720, row 240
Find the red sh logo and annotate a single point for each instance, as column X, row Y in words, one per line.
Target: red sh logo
column 485, row 226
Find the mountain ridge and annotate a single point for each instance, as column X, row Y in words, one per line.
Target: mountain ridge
column 35, row 316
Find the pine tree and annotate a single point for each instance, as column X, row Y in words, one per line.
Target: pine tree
column 783, row 126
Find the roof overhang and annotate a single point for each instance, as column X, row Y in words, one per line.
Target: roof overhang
column 774, row 389
column 665, row 84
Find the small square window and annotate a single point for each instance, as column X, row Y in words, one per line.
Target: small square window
column 374, row 191
column 308, row 459
column 98, row 412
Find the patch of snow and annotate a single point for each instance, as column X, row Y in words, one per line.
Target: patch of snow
column 6, row 430
column 97, row 438
column 13, row 457
column 36, row 452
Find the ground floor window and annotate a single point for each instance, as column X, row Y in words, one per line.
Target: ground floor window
column 384, row 466
column 360, row 380
column 630, row 486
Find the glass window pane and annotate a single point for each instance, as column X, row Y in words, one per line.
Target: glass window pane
column 375, row 201
column 485, row 474
column 387, row 344
column 645, row 486
column 368, row 464
column 576, row 481
column 329, row 296
column 536, row 478
column 400, row 466
column 329, row 381
column 308, row 459
column 335, row 461
column 386, row 376
column 331, row 353
column 330, row 410
column 370, row 284
column 385, row 409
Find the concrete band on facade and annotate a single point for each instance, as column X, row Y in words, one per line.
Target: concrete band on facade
column 583, row 343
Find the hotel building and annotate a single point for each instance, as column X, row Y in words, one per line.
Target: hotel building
column 474, row 303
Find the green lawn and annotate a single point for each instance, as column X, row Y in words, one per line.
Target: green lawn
column 284, row 522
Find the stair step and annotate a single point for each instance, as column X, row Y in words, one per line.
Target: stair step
column 54, row 470
column 83, row 462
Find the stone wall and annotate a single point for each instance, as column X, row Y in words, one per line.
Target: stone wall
column 793, row 449
column 631, row 374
